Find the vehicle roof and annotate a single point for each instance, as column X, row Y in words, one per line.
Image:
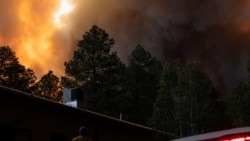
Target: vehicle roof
column 214, row 135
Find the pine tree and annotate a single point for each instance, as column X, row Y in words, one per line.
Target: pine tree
column 97, row 70
column 13, row 74
column 49, row 87
column 187, row 101
column 143, row 73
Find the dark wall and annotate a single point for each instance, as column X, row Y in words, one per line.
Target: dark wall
column 27, row 118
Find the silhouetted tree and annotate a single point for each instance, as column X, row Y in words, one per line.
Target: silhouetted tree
column 13, row 74
column 49, row 87
column 143, row 73
column 69, row 82
column 238, row 105
column 97, row 70
column 187, row 101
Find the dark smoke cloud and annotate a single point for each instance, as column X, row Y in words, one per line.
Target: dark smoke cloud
column 215, row 31
column 205, row 29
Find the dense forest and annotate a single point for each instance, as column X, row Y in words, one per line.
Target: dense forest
column 174, row 97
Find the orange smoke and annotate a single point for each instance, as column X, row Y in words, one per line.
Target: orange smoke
column 44, row 33
column 36, row 24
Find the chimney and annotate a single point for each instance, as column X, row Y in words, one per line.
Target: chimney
column 74, row 97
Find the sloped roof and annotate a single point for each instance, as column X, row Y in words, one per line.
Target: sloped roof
column 4, row 91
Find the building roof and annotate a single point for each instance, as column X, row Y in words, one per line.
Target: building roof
column 4, row 91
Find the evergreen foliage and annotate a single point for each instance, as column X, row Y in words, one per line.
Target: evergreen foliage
column 49, row 87
column 96, row 69
column 143, row 73
column 238, row 105
column 185, row 100
column 13, row 74
column 179, row 99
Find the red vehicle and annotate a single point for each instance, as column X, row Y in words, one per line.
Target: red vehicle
column 235, row 134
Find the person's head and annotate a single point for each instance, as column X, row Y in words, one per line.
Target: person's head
column 82, row 131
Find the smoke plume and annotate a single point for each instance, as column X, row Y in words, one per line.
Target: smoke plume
column 215, row 31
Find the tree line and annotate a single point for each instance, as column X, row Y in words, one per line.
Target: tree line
column 177, row 98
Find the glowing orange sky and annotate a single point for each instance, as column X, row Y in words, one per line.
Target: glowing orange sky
column 36, row 44
column 44, row 33
column 36, row 24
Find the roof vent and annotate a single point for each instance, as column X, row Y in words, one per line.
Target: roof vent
column 74, row 97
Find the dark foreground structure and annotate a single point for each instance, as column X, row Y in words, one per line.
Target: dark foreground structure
column 25, row 117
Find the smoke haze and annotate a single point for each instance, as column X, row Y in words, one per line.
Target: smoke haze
column 214, row 31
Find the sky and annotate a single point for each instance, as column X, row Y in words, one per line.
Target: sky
column 44, row 33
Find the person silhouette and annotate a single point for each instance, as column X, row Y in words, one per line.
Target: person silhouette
column 82, row 135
